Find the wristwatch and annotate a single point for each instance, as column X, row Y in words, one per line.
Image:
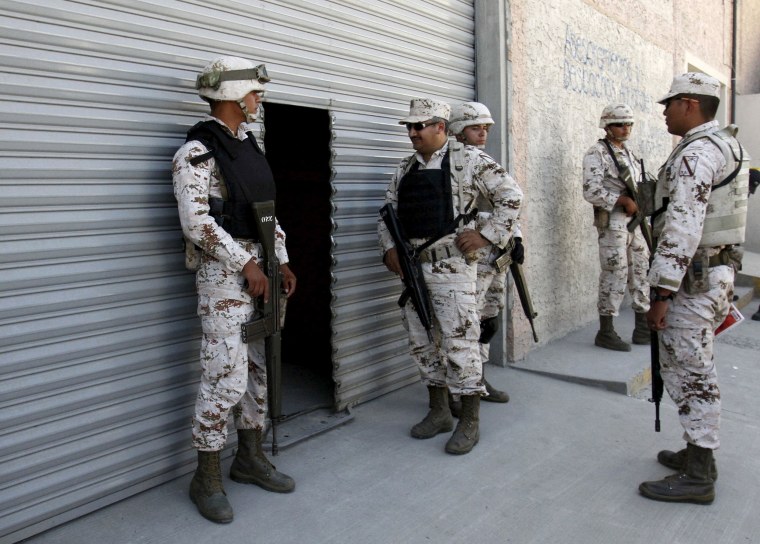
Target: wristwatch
column 658, row 297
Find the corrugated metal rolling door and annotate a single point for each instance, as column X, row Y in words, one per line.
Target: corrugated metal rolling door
column 98, row 333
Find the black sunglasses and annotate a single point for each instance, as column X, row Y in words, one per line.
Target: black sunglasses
column 419, row 126
column 620, row 125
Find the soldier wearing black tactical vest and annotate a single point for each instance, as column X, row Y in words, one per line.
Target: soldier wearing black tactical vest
column 217, row 174
column 429, row 189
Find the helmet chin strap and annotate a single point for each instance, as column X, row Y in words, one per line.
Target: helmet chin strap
column 249, row 117
column 612, row 138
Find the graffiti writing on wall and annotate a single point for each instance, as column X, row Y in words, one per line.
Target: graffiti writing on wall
column 600, row 72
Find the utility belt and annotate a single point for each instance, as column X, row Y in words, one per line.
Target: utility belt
column 438, row 253
column 696, row 280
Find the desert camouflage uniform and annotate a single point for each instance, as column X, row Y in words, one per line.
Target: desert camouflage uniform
column 454, row 359
column 623, row 256
column 686, row 345
column 491, row 284
column 233, row 373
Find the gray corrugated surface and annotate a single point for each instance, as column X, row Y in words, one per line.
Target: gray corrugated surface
column 98, row 334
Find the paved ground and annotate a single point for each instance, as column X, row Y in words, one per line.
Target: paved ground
column 559, row 464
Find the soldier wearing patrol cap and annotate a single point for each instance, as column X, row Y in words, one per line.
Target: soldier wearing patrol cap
column 700, row 216
column 470, row 123
column 623, row 255
column 434, row 183
column 216, row 173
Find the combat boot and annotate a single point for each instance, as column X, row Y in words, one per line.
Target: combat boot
column 467, row 433
column 641, row 333
column 692, row 484
column 455, row 406
column 677, row 460
column 206, row 489
column 607, row 337
column 494, row 395
column 251, row 466
column 438, row 420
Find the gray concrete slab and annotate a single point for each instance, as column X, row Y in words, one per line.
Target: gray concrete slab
column 559, row 464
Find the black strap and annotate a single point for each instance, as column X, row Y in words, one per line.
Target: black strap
column 195, row 161
column 735, row 173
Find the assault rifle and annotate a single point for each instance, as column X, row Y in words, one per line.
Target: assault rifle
column 267, row 324
column 654, row 352
column 638, row 220
column 520, row 284
column 411, row 269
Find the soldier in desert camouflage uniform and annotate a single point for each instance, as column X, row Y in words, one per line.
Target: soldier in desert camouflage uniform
column 450, row 271
column 216, row 217
column 469, row 124
column 701, row 211
column 623, row 255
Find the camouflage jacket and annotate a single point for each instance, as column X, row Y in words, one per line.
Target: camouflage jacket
column 193, row 186
column 484, row 177
column 602, row 185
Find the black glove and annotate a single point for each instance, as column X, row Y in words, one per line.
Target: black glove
column 518, row 252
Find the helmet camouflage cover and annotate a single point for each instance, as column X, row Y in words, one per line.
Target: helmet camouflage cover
column 230, row 78
column 467, row 114
column 616, row 113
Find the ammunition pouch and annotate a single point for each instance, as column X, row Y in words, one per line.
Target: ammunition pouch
column 645, row 199
column 601, row 218
column 696, row 279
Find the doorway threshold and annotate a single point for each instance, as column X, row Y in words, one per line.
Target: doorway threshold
column 306, row 425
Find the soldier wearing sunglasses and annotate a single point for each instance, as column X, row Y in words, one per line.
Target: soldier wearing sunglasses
column 429, row 189
column 623, row 255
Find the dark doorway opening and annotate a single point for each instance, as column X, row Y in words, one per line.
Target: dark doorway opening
column 297, row 144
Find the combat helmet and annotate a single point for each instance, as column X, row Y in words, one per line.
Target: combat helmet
column 616, row 113
column 230, row 78
column 467, row 114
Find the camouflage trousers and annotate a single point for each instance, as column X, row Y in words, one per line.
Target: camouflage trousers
column 233, row 375
column 624, row 260
column 453, row 359
column 686, row 356
column 491, row 286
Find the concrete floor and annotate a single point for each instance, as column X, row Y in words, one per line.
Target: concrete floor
column 560, row 463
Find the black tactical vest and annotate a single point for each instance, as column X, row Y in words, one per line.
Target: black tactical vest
column 246, row 175
column 425, row 207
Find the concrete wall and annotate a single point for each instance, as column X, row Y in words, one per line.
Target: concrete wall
column 748, row 47
column 748, row 119
column 569, row 59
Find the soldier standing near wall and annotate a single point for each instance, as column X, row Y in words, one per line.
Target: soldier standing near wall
column 425, row 191
column 470, row 122
column 623, row 255
column 214, row 173
column 700, row 215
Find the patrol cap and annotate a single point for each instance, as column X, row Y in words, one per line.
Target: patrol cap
column 424, row 109
column 467, row 114
column 693, row 83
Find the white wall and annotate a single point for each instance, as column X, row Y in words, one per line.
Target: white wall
column 748, row 119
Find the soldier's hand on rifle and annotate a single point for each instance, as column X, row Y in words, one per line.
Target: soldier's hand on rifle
column 628, row 204
column 257, row 283
column 658, row 309
column 288, row 280
column 390, row 259
column 470, row 240
column 518, row 252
